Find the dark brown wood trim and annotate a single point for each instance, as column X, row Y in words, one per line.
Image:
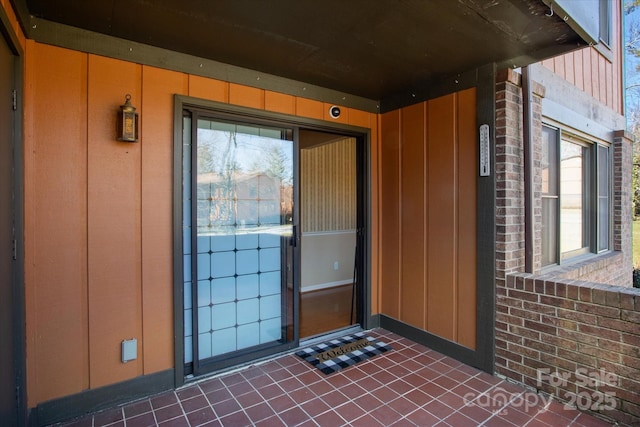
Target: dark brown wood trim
column 486, row 250
column 69, row 407
column 178, row 260
column 65, row 36
column 434, row 342
column 6, row 30
column 17, row 279
column 432, row 90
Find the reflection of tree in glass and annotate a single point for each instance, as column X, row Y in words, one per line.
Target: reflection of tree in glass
column 234, row 164
column 216, row 168
column 632, row 89
column 217, row 152
column 275, row 163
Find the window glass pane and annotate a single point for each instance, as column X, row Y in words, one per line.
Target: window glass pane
column 549, row 161
column 603, row 225
column 603, row 171
column 244, row 208
column 573, row 224
column 603, row 198
column 605, row 20
column 549, row 235
column 549, row 166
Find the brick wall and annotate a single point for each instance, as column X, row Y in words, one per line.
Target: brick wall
column 554, row 325
column 561, row 337
column 509, row 176
column 612, row 268
column 622, row 197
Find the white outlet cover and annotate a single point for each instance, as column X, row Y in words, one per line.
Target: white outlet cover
column 129, row 350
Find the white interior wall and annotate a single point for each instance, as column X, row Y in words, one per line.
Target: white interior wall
column 321, row 253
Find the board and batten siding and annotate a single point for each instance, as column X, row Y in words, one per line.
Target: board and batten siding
column 591, row 71
column 428, row 208
column 98, row 213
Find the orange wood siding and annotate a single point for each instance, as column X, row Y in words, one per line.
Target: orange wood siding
column 592, row 72
column 442, row 217
column 390, row 212
column 413, row 207
column 246, row 96
column 213, row 90
column 56, row 222
column 309, row 108
column 279, row 103
column 114, row 224
column 98, row 213
column 467, row 219
column 157, row 192
column 428, row 216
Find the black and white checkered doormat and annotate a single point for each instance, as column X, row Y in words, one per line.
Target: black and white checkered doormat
column 333, row 355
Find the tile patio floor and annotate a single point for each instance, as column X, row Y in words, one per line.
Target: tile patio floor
column 409, row 386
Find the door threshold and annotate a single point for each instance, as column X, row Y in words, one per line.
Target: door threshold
column 306, row 342
column 190, row 380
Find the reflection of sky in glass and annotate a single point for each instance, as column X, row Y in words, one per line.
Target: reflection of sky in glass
column 243, row 148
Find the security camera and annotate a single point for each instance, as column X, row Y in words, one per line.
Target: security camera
column 334, row 112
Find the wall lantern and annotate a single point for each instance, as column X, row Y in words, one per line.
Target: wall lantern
column 127, row 123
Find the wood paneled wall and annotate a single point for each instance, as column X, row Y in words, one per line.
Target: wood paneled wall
column 592, row 72
column 98, row 213
column 428, row 216
column 328, row 186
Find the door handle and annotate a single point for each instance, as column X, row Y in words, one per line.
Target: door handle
column 294, row 236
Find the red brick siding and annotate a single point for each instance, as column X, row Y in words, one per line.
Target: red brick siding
column 577, row 329
column 553, row 321
column 509, row 183
column 613, row 267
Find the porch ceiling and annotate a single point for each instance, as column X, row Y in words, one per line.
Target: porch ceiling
column 373, row 49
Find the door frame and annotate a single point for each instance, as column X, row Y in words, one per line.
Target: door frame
column 363, row 138
column 17, row 279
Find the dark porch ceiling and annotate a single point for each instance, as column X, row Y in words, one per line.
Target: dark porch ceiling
column 374, row 49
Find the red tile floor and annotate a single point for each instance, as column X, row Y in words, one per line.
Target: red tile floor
column 409, row 386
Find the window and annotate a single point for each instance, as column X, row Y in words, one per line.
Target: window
column 549, row 166
column 604, row 201
column 575, row 197
column 605, row 22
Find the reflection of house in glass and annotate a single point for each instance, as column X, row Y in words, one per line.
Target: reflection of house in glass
column 242, row 200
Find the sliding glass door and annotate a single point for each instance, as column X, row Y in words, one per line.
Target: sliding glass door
column 238, row 222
